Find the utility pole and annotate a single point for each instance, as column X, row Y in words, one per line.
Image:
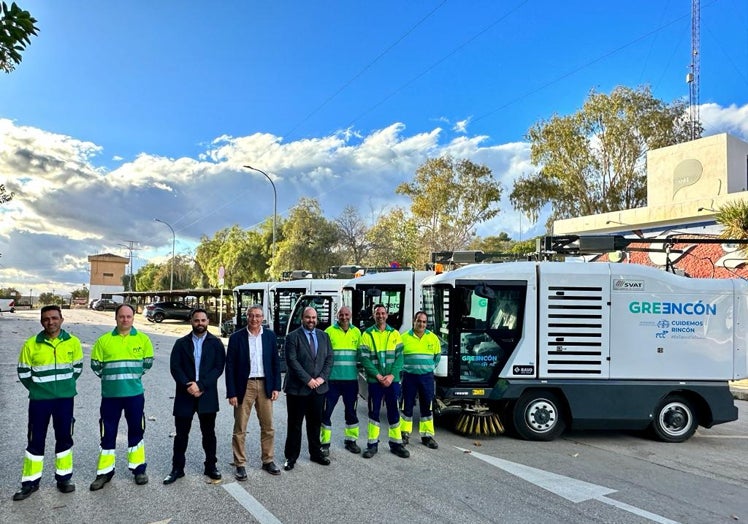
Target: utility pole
column 130, row 247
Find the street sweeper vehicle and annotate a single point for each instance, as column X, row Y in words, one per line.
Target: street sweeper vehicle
column 544, row 346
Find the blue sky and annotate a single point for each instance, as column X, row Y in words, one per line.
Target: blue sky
column 122, row 112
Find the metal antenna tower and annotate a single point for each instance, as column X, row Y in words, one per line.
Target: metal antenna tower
column 692, row 78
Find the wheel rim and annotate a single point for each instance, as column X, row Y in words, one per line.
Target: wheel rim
column 541, row 415
column 675, row 419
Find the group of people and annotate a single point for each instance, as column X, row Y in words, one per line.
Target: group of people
column 322, row 367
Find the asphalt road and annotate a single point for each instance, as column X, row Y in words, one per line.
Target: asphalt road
column 598, row 477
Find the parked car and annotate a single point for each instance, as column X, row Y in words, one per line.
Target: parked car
column 160, row 311
column 105, row 304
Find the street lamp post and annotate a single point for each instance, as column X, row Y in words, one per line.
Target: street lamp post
column 275, row 201
column 173, row 244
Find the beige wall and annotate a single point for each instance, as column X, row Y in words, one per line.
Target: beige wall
column 681, row 179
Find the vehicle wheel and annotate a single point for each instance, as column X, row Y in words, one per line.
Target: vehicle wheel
column 537, row 416
column 674, row 419
column 12, row 310
column 158, row 317
column 99, row 308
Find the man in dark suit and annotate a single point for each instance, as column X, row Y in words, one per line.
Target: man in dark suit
column 309, row 361
column 253, row 379
column 197, row 361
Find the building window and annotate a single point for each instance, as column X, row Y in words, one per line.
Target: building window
column 108, row 274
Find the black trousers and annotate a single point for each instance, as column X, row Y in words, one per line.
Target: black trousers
column 207, row 428
column 300, row 407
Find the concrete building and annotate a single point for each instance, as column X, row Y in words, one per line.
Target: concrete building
column 106, row 275
column 686, row 184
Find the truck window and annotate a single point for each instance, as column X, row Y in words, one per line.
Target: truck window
column 490, row 329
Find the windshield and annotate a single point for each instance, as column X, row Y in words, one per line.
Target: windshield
column 365, row 297
column 244, row 299
column 283, row 303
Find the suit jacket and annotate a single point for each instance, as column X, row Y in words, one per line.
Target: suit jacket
column 302, row 366
column 237, row 364
column 182, row 366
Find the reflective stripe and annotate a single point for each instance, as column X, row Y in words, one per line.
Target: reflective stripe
column 106, row 461
column 373, row 432
column 64, row 462
column 395, row 434
column 406, row 424
column 351, row 432
column 122, row 364
column 52, row 378
column 136, row 455
column 121, row 376
column 32, row 467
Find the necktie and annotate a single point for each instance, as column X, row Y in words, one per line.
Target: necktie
column 311, row 344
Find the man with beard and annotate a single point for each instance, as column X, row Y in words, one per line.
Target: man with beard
column 197, row 360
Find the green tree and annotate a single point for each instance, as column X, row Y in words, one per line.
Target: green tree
column 10, row 292
column 449, row 199
column 593, row 161
column 395, row 238
column 243, row 254
column 81, row 293
column 16, row 29
column 354, row 245
column 307, row 240
column 49, row 298
column 145, row 278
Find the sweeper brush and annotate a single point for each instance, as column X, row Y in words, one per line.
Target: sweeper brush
column 479, row 421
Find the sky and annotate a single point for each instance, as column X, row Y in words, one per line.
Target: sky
column 123, row 112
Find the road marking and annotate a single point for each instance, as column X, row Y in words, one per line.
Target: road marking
column 251, row 504
column 569, row 488
column 701, row 435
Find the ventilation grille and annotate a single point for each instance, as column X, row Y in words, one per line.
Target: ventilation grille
column 573, row 340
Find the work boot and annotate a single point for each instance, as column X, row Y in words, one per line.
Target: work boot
column 325, row 450
column 141, row 478
column 400, row 451
column 351, row 446
column 25, row 491
column 65, row 486
column 429, row 442
column 406, row 438
column 100, row 480
column 370, row 451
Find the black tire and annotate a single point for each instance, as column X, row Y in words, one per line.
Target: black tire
column 538, row 415
column 674, row 420
column 158, row 317
column 99, row 308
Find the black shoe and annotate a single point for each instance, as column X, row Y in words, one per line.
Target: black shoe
column 212, row 472
column 370, row 452
column 321, row 460
column 400, row 451
column 429, row 442
column 100, row 480
column 173, row 476
column 65, row 486
column 289, row 464
column 325, row 451
column 406, row 438
column 271, row 468
column 25, row 491
column 240, row 473
column 141, row 479
column 351, row 446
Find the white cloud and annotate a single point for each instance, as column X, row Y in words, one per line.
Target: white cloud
column 731, row 119
column 67, row 208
